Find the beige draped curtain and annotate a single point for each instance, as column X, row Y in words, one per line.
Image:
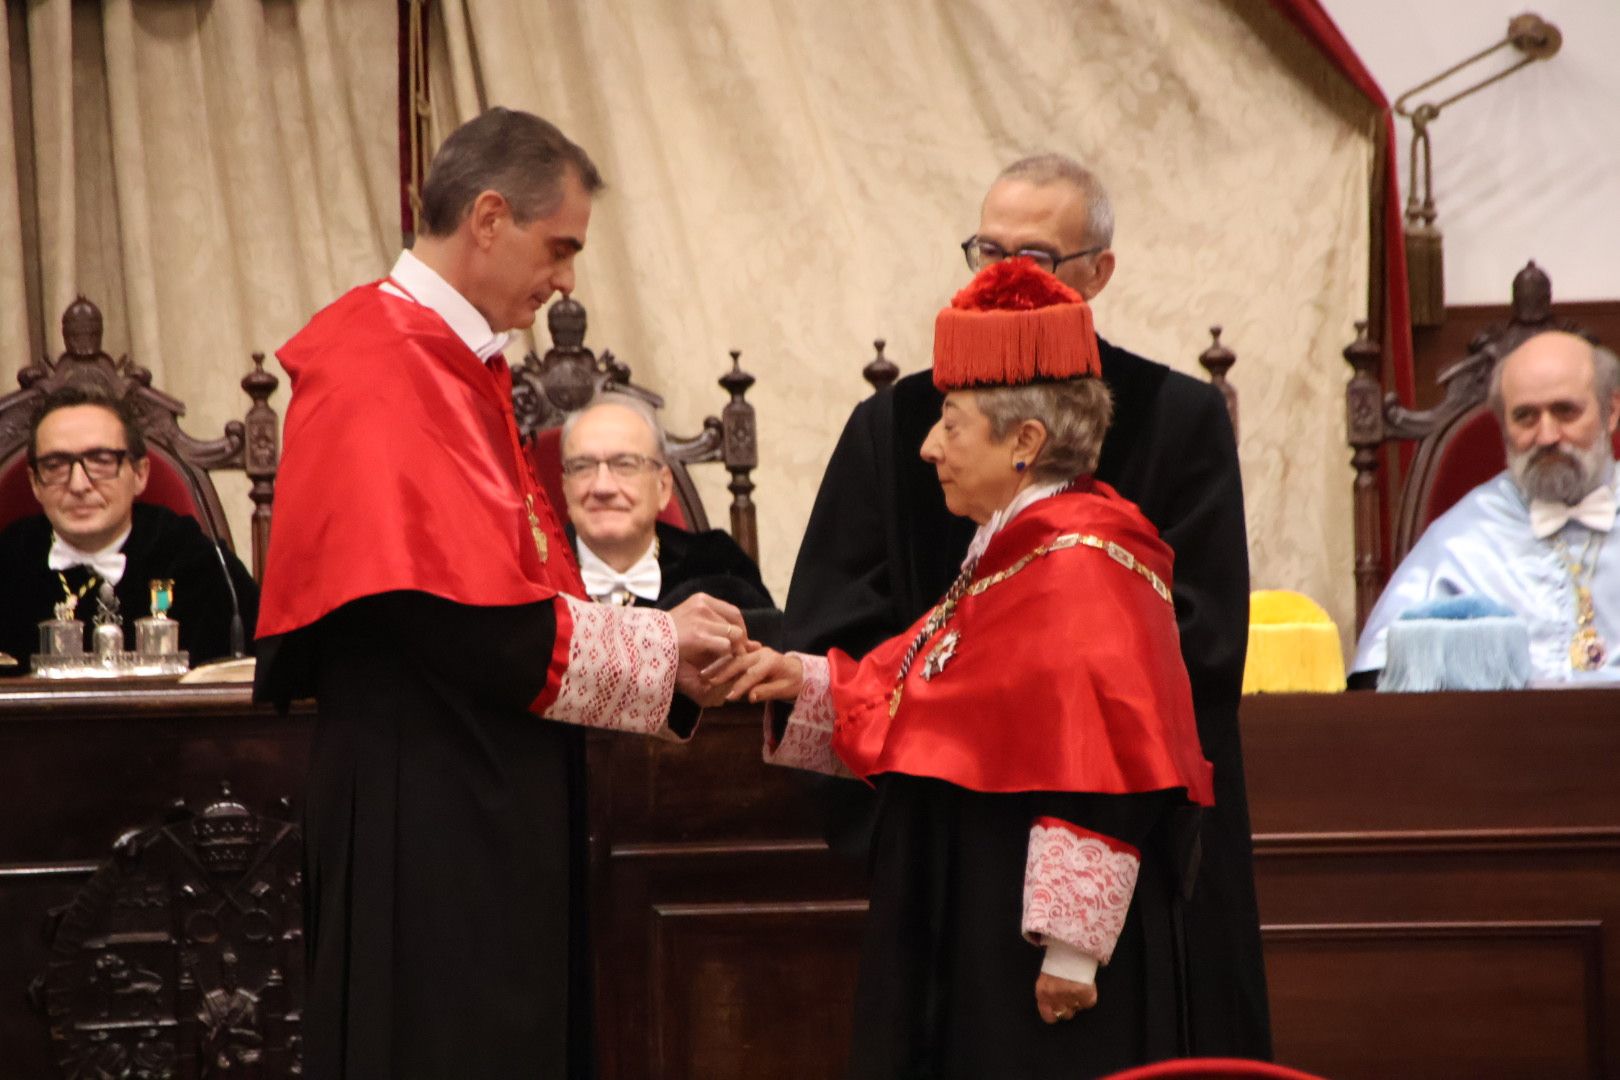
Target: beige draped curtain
column 793, row 179
column 208, row 173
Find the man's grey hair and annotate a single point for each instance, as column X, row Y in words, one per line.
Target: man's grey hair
column 1075, row 412
column 636, row 405
column 516, row 154
column 1605, row 382
column 1043, row 169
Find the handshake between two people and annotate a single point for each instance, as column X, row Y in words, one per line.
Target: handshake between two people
column 720, row 664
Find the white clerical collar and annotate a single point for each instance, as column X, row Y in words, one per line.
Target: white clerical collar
column 1032, row 494
column 413, row 279
column 108, row 563
column 607, row 585
column 1596, row 511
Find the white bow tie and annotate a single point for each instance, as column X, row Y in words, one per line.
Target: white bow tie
column 604, row 584
column 1596, row 512
column 108, row 564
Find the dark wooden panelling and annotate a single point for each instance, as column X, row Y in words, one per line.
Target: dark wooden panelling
column 740, row 991
column 1370, row 762
column 651, row 791
column 718, row 911
column 1438, row 999
column 1431, row 869
column 1439, row 876
column 26, row 894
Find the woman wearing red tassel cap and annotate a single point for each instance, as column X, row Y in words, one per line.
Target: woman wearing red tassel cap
column 1034, row 758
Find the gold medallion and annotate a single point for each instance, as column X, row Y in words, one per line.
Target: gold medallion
column 941, row 655
column 1586, row 650
column 540, row 544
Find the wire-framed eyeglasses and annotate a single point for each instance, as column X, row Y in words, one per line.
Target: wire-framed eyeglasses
column 623, row 466
column 981, row 253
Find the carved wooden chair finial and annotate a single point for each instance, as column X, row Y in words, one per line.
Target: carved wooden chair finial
column 1532, row 295
column 1218, row 360
column 81, row 329
column 881, row 371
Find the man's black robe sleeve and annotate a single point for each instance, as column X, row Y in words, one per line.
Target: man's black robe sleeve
column 843, row 594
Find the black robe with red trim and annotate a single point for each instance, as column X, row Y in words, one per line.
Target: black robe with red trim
column 881, row 547
column 1020, row 710
column 412, row 594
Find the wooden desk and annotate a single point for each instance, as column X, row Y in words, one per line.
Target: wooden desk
column 1438, row 876
column 79, row 766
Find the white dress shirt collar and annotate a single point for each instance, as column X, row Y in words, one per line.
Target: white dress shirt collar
column 413, row 279
column 108, row 563
column 1032, row 494
column 605, row 584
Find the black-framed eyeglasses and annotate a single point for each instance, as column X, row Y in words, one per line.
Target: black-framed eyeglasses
column 980, row 253
column 624, row 466
column 100, row 463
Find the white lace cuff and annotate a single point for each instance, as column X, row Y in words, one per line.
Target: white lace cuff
column 1077, row 887
column 621, row 669
column 806, row 741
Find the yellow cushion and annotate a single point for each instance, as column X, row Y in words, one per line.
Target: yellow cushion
column 1293, row 646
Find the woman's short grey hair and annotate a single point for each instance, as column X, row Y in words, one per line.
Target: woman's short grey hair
column 1075, row 413
column 623, row 401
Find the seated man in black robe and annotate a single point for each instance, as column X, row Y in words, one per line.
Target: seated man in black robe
column 617, row 480
column 880, row 547
column 87, row 464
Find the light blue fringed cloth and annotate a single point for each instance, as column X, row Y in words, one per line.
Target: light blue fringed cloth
column 1465, row 642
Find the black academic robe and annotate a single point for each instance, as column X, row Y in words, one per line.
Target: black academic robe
column 161, row 544
column 444, row 844
column 947, row 986
column 881, row 548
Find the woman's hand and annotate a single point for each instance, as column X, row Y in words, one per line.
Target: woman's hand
column 760, row 675
column 1059, row 999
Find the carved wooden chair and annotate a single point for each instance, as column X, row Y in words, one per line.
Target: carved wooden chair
column 1456, row 445
column 546, row 389
column 180, row 462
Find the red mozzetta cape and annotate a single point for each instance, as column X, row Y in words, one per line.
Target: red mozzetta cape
column 1066, row 674
column 402, row 472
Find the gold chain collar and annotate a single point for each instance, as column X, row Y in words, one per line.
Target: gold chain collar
column 946, row 608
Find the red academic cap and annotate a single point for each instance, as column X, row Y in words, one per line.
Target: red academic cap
column 1014, row 323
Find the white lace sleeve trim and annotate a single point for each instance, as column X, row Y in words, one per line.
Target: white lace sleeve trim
column 1077, row 887
column 806, row 742
column 621, row 669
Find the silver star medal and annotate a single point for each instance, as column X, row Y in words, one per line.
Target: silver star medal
column 941, row 655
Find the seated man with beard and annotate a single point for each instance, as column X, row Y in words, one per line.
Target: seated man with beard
column 1534, row 538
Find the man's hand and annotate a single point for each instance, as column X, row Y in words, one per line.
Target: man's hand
column 1059, row 999
column 690, row 681
column 761, row 674
column 707, row 629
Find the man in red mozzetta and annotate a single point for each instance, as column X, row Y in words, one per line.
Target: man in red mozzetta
column 419, row 587
column 1030, row 752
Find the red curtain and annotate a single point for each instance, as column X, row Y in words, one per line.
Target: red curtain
column 1308, row 17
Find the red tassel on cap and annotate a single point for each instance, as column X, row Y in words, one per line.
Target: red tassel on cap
column 1014, row 323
